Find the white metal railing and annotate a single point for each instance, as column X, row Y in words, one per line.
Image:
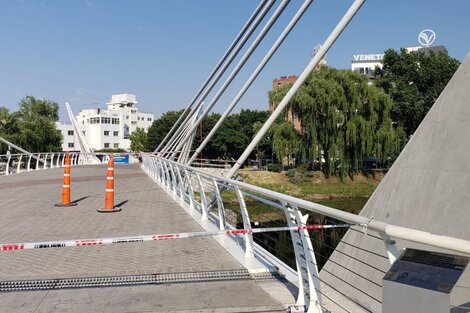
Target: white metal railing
column 192, row 186
column 23, row 162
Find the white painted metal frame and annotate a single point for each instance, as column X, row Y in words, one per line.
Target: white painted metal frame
column 178, row 180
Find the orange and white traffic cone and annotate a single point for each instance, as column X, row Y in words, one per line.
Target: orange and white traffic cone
column 109, row 198
column 66, row 185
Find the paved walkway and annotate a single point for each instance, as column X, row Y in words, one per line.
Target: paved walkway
column 27, row 213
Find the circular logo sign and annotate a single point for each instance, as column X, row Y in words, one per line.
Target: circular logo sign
column 426, row 37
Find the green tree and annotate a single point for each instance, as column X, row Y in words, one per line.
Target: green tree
column 287, row 143
column 138, row 140
column 230, row 140
column 159, row 128
column 33, row 126
column 344, row 120
column 414, row 81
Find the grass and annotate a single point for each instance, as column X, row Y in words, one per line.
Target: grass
column 349, row 195
column 318, row 187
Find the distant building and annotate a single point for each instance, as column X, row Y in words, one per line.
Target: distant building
column 291, row 116
column 108, row 128
column 278, row 82
column 366, row 63
column 70, row 140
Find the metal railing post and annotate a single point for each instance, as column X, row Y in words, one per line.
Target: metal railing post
column 220, row 205
column 29, row 163
column 246, row 224
column 307, row 270
column 203, row 197
column 7, row 171
column 181, row 186
column 18, row 167
column 37, row 161
column 192, row 201
column 44, row 164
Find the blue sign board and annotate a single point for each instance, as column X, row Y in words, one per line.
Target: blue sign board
column 121, row 158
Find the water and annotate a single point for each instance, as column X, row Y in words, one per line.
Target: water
column 280, row 244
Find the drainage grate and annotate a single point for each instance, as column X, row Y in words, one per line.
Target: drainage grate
column 145, row 279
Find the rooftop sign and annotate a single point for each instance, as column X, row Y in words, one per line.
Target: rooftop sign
column 368, row 57
column 426, row 37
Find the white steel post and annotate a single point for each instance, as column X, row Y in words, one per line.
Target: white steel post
column 7, row 172
column 192, row 201
column 246, row 224
column 18, row 166
column 203, row 198
column 220, row 205
column 29, row 163
column 37, row 161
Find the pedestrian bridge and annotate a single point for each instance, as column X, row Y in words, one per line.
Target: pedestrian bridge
column 206, row 272
column 213, row 279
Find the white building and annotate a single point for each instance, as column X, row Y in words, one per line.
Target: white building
column 108, row 128
column 70, row 140
column 366, row 63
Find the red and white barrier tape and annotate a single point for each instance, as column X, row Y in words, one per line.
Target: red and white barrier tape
column 114, row 240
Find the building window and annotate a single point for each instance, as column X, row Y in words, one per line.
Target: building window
column 70, row 132
column 133, row 111
column 127, row 117
column 116, row 145
column 106, row 120
column 106, row 132
column 115, row 121
column 149, row 119
column 133, row 122
column 115, row 133
column 70, row 145
column 106, row 145
column 94, row 120
column 83, row 132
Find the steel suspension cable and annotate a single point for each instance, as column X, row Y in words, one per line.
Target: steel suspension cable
column 253, row 77
column 240, row 65
column 230, row 49
column 313, row 63
column 240, row 45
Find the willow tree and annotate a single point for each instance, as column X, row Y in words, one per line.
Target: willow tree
column 344, row 119
column 287, row 143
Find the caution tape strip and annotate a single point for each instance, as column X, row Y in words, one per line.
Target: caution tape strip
column 128, row 239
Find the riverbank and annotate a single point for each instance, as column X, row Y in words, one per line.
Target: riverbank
column 349, row 195
column 316, row 186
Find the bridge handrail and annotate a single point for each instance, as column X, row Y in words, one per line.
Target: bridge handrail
column 24, row 162
column 438, row 241
column 182, row 182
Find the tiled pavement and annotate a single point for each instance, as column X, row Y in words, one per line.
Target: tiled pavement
column 27, row 213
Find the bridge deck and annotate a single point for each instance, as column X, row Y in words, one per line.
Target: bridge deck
column 28, row 214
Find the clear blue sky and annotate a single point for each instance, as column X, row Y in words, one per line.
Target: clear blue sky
column 82, row 51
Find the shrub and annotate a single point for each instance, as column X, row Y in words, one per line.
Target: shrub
column 274, row 167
